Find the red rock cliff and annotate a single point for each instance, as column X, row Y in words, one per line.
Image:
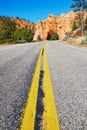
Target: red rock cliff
column 60, row 25
column 22, row 23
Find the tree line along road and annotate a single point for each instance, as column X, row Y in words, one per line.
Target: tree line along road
column 66, row 70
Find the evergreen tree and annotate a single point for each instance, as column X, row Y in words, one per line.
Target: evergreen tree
column 53, row 36
column 79, row 16
column 74, row 27
column 85, row 26
column 7, row 28
column 38, row 38
column 49, row 37
column 29, row 35
column 86, row 23
column 24, row 34
column 9, row 32
column 80, row 5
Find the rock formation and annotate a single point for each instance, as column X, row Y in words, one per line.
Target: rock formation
column 54, row 24
column 43, row 28
column 22, row 23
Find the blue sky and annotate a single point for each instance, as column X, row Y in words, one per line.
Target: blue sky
column 34, row 10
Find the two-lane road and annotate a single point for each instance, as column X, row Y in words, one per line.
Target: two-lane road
column 68, row 71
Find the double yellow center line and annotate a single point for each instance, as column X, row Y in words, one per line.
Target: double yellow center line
column 49, row 116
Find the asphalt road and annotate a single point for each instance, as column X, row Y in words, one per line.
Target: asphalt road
column 17, row 64
column 68, row 70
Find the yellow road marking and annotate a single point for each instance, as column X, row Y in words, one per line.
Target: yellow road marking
column 50, row 119
column 30, row 110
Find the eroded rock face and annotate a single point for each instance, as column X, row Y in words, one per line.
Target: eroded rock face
column 77, row 32
column 22, row 23
column 43, row 28
column 60, row 25
column 65, row 23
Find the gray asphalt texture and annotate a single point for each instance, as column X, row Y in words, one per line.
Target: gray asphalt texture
column 17, row 65
column 68, row 70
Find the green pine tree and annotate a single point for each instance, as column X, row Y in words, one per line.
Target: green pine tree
column 74, row 26
column 7, row 29
column 86, row 23
column 80, row 5
column 39, row 38
column 53, row 36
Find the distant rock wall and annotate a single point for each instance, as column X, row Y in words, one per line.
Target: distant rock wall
column 22, row 23
column 60, row 25
column 43, row 28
